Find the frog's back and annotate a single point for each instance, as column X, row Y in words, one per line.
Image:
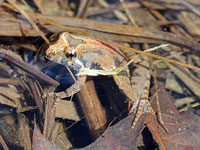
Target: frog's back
column 96, row 55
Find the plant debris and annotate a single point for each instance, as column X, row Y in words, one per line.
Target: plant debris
column 99, row 116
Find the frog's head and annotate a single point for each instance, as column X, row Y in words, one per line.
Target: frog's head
column 64, row 50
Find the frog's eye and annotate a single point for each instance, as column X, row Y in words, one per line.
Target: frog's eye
column 71, row 55
column 54, row 52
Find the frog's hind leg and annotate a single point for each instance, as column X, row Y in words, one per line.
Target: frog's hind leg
column 74, row 88
column 136, row 89
column 140, row 85
column 143, row 107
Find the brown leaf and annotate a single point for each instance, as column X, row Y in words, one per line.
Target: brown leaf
column 41, row 143
column 184, row 130
column 120, row 136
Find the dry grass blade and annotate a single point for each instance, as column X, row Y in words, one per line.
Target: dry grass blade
column 193, row 9
column 72, row 75
column 135, row 57
column 83, row 7
column 66, row 28
column 188, row 81
column 118, row 14
column 157, row 100
column 128, row 13
column 153, row 55
column 39, row 6
column 5, row 147
column 46, row 21
column 30, row 20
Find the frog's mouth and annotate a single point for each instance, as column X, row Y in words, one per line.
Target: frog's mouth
column 57, row 60
column 70, row 63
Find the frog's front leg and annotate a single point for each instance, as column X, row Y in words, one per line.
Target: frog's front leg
column 122, row 79
column 74, row 88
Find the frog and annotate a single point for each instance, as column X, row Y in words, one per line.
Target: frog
column 92, row 57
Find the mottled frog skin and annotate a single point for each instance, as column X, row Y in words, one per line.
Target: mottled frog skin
column 87, row 56
column 83, row 54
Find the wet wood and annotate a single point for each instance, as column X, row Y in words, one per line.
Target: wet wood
column 59, row 138
column 24, row 132
column 15, row 60
column 49, row 122
column 166, row 21
column 92, row 109
column 14, row 81
column 35, row 89
column 10, row 96
column 67, row 110
column 99, row 26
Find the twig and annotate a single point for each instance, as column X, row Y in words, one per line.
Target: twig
column 5, row 147
column 13, row 81
column 84, row 4
column 106, row 30
column 157, row 101
column 30, row 20
column 15, row 60
column 193, row 9
column 128, row 13
column 36, row 94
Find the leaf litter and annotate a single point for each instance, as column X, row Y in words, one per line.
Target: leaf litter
column 183, row 131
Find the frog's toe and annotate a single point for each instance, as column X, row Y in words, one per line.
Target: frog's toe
column 63, row 94
column 48, row 94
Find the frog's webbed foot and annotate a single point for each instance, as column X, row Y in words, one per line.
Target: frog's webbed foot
column 140, row 85
column 74, row 88
column 143, row 107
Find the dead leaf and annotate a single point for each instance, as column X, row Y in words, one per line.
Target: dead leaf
column 120, row 136
column 41, row 143
column 184, row 130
